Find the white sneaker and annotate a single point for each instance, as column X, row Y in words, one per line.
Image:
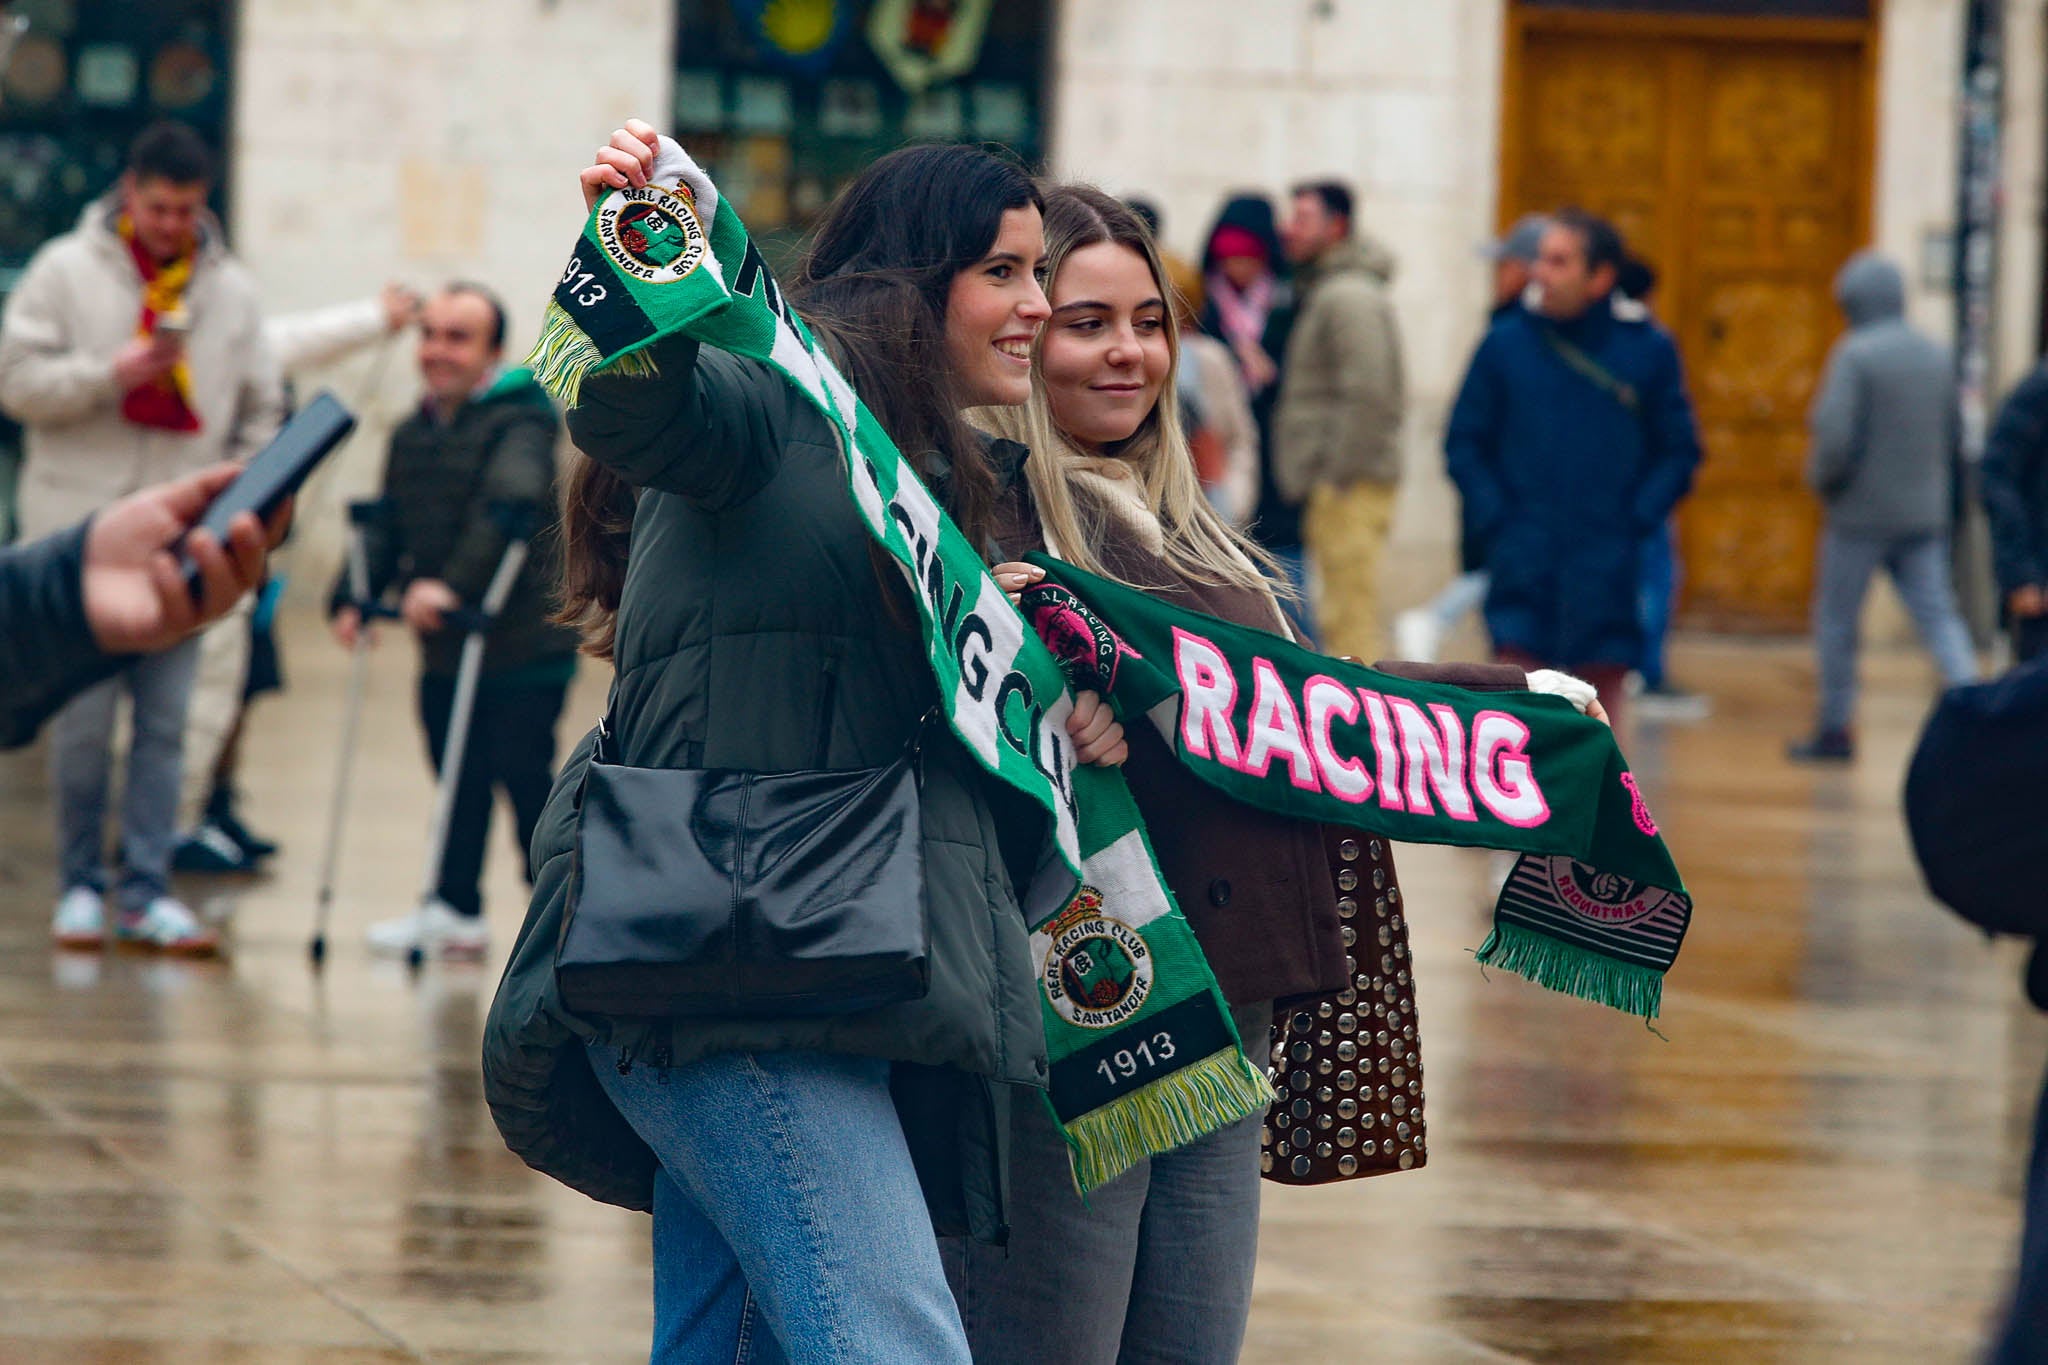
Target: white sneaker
column 1416, row 637
column 436, row 929
column 166, row 925
column 81, row 919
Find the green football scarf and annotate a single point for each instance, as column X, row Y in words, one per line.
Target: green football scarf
column 1144, row 1057
column 1595, row 906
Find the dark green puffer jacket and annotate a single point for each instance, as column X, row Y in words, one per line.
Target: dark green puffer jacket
column 441, row 480
column 753, row 634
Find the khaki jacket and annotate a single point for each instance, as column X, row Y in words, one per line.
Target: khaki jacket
column 1342, row 391
column 75, row 307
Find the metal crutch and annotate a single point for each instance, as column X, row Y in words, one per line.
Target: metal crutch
column 362, row 516
column 517, row 523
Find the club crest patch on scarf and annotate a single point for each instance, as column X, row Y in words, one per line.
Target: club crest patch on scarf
column 652, row 234
column 1099, row 971
column 1077, row 637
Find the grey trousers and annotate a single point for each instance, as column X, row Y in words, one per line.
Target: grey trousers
column 1918, row 566
column 1156, row 1268
column 81, row 760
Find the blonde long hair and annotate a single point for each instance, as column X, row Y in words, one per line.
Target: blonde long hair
column 1198, row 544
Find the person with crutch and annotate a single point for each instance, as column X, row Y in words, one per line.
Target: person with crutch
column 483, row 440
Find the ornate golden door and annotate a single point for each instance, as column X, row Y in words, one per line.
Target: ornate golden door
column 1734, row 155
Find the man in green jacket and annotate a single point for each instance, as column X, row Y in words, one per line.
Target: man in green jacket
column 1337, row 429
column 483, row 439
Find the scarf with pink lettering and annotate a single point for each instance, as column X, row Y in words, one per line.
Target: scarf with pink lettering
column 1595, row 906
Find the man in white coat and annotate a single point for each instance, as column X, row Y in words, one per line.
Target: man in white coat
column 132, row 352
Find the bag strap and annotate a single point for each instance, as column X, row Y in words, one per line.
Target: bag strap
column 1604, row 379
column 600, row 751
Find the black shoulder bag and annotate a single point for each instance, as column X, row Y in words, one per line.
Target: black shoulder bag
column 715, row 893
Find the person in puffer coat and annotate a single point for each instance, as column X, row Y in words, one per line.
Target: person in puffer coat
column 1571, row 441
column 798, row 1168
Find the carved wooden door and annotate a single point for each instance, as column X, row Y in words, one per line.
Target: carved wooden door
column 1736, row 165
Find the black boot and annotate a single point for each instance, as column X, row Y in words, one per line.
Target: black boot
column 220, row 810
column 1825, row 746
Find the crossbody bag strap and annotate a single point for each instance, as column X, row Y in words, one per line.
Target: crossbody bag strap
column 1606, row 380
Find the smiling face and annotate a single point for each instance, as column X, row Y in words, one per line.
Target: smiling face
column 994, row 309
column 457, row 350
column 1106, row 355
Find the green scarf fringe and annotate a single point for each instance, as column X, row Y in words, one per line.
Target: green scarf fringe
column 1560, row 966
column 565, row 355
column 1178, row 1108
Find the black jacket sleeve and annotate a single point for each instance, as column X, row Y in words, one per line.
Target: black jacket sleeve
column 708, row 427
column 47, row 653
column 2013, row 454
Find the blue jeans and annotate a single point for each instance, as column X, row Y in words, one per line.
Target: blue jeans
column 1656, row 595
column 1918, row 565
column 788, row 1220
column 1155, row 1269
column 81, row 764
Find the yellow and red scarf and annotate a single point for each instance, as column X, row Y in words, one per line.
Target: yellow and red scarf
column 165, row 401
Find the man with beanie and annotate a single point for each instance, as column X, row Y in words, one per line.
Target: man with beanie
column 482, row 441
column 132, row 352
column 1337, row 430
column 1884, row 429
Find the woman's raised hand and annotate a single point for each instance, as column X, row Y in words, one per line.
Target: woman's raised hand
column 626, row 161
column 1097, row 734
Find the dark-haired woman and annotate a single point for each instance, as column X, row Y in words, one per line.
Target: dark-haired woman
column 797, row 1167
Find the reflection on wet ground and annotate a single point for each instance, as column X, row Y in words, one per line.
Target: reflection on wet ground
column 241, row 1161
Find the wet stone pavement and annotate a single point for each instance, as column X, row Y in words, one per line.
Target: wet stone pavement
column 246, row 1161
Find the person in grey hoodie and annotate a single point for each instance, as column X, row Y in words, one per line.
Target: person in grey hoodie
column 1884, row 427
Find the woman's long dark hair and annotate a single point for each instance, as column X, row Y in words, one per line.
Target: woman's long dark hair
column 873, row 287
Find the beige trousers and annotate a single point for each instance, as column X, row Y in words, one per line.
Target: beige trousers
column 1344, row 528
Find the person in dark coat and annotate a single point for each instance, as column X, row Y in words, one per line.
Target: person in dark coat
column 78, row 606
column 481, row 444
column 2015, row 489
column 1249, row 306
column 1572, row 440
column 798, row 1166
column 1973, row 808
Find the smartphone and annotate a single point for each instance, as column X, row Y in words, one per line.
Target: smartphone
column 278, row 469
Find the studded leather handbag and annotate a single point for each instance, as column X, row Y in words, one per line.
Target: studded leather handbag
column 711, row 893
column 1347, row 1066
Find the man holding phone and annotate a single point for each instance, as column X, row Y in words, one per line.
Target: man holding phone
column 132, row 352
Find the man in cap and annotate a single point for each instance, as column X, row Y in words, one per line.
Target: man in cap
column 1419, row 632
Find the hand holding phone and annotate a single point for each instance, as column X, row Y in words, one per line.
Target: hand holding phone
column 279, row 468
